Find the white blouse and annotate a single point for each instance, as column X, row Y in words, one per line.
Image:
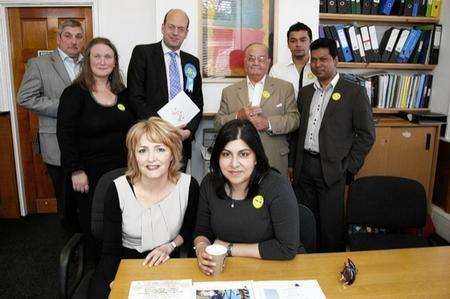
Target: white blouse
column 146, row 228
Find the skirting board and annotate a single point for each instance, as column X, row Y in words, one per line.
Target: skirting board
column 441, row 221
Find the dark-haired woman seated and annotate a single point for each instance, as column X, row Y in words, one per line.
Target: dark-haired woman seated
column 244, row 204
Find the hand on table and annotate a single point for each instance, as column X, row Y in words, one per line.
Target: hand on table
column 158, row 255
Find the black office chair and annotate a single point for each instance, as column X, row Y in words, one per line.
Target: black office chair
column 308, row 233
column 71, row 257
column 388, row 205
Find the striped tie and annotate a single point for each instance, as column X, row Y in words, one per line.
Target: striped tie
column 174, row 76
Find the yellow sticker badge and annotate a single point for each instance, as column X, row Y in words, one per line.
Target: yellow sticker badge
column 311, row 76
column 266, row 94
column 336, row 96
column 121, row 107
column 258, row 201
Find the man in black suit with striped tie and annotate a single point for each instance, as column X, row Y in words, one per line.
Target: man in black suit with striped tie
column 159, row 71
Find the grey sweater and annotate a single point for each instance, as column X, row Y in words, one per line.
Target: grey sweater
column 274, row 226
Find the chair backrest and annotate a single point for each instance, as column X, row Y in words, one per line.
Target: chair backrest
column 99, row 199
column 387, row 202
column 308, row 234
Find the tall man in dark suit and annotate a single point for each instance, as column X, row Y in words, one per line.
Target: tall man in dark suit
column 159, row 71
column 336, row 132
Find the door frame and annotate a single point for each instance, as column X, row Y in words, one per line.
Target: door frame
column 6, row 74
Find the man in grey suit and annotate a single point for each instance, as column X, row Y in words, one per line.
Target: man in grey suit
column 44, row 80
column 336, row 132
column 267, row 102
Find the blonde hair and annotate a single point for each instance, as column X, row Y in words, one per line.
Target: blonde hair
column 158, row 131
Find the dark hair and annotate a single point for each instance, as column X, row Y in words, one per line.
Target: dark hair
column 86, row 79
column 234, row 130
column 325, row 43
column 173, row 10
column 300, row 26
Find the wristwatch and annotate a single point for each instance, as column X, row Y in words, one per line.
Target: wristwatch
column 173, row 244
column 229, row 248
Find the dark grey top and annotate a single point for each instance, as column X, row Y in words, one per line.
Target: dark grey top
column 274, row 226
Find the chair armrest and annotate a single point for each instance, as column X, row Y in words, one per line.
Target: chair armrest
column 69, row 250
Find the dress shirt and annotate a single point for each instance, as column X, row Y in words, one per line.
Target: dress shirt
column 319, row 104
column 288, row 72
column 72, row 66
column 167, row 58
column 255, row 91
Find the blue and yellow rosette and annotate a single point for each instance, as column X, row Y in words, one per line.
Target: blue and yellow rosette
column 190, row 72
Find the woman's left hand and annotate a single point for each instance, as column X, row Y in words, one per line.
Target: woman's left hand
column 158, row 255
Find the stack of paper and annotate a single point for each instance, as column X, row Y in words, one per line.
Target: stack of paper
column 283, row 289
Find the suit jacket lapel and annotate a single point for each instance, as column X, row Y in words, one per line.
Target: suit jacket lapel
column 242, row 92
column 307, row 104
column 161, row 68
column 269, row 86
column 58, row 64
column 332, row 104
column 184, row 61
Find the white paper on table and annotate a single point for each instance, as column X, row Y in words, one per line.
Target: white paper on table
column 161, row 289
column 288, row 289
column 180, row 110
column 225, row 289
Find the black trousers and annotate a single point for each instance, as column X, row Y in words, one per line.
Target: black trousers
column 326, row 202
column 67, row 208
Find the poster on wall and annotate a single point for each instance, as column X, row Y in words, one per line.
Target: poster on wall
column 228, row 26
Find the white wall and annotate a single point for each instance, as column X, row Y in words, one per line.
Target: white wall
column 142, row 24
column 136, row 26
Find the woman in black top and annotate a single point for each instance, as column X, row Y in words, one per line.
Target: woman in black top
column 93, row 120
column 244, row 204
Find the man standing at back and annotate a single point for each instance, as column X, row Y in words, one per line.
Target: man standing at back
column 297, row 70
column 268, row 103
column 42, row 85
column 159, row 71
column 336, row 132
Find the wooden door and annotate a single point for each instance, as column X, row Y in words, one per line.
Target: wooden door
column 411, row 154
column 9, row 200
column 33, row 29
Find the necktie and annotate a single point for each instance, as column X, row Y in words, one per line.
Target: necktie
column 174, row 76
column 300, row 81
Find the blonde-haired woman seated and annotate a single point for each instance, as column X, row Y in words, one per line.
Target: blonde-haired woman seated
column 150, row 211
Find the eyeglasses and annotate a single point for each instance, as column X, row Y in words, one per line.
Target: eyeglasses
column 260, row 59
column 180, row 29
column 348, row 274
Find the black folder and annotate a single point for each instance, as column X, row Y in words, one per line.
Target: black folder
column 366, row 6
column 375, row 6
column 435, row 44
column 343, row 7
column 408, row 8
column 335, row 36
column 331, row 6
column 323, row 6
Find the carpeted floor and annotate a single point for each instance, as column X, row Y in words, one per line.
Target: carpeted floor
column 29, row 256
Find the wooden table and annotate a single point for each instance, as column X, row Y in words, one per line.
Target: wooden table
column 402, row 273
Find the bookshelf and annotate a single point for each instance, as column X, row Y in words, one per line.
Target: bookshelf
column 397, row 110
column 382, row 20
column 397, row 140
column 386, row 66
column 377, row 19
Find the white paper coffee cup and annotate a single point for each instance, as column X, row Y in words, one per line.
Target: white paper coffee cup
column 218, row 253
